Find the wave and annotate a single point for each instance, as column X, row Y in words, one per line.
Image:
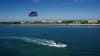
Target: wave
column 40, row 41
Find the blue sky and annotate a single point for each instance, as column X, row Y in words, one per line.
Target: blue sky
column 18, row 10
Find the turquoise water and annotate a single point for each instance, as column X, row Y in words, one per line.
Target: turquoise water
column 81, row 40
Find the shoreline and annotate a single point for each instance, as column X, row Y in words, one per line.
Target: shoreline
column 50, row 24
column 82, row 24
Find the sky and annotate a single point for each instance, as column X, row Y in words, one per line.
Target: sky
column 18, row 10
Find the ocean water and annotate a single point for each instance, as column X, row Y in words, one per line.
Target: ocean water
column 35, row 40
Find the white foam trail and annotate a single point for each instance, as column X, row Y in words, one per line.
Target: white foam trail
column 40, row 41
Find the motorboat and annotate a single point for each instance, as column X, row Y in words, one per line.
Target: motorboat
column 59, row 45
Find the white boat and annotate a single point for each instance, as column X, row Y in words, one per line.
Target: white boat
column 59, row 45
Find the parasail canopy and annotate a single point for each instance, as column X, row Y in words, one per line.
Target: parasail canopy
column 33, row 14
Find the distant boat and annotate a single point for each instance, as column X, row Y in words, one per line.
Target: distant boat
column 59, row 45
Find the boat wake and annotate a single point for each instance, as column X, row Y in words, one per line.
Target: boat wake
column 40, row 41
